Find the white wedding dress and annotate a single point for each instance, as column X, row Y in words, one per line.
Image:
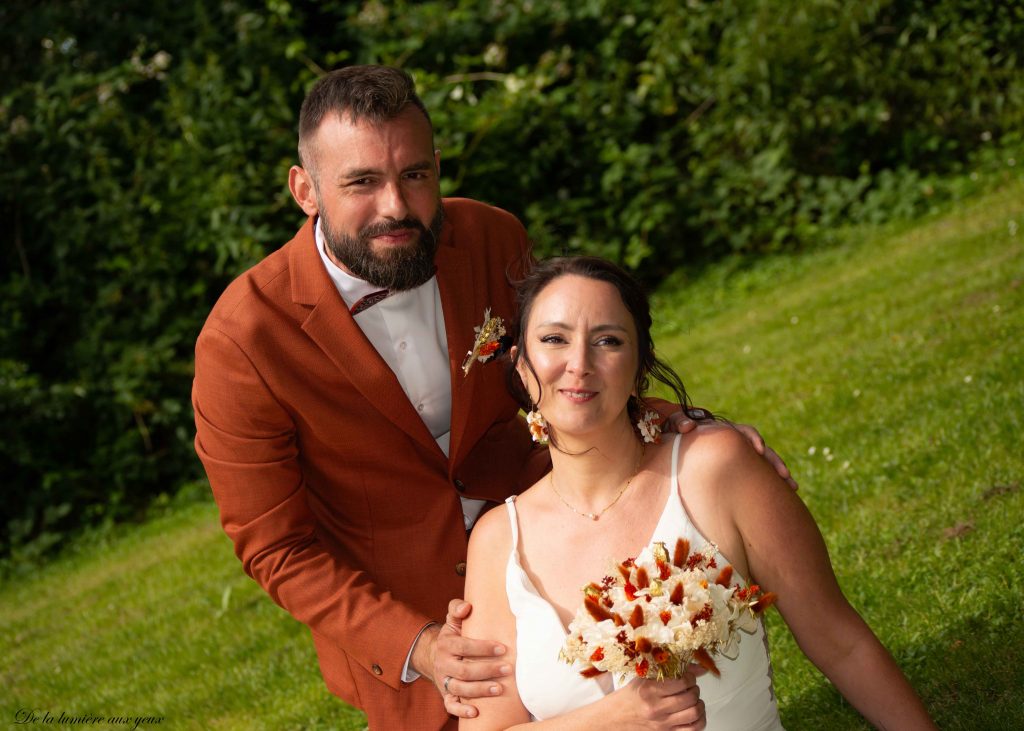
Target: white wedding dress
column 742, row 698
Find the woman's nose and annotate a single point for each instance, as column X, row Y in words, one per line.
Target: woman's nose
column 579, row 360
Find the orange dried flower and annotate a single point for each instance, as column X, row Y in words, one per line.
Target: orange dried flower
column 636, row 619
column 681, row 552
column 598, row 612
column 704, row 660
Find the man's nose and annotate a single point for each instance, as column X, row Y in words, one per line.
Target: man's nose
column 392, row 203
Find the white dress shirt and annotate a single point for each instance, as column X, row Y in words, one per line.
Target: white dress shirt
column 407, row 330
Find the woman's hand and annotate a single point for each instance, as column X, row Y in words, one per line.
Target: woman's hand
column 659, row 705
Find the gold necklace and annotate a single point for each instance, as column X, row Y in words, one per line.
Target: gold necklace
column 597, row 516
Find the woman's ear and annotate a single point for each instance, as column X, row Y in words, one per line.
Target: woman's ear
column 521, row 369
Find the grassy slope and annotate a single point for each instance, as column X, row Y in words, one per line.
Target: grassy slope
column 903, row 357
column 161, row 622
column 901, row 353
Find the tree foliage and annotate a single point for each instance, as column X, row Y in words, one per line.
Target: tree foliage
column 147, row 146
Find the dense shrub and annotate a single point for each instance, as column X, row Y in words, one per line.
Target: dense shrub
column 147, row 146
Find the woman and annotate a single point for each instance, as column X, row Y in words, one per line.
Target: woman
column 584, row 355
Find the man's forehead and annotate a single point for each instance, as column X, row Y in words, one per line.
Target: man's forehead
column 408, row 121
column 347, row 136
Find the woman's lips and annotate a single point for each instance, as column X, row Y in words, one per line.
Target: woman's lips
column 577, row 395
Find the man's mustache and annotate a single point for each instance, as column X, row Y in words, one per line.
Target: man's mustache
column 388, row 227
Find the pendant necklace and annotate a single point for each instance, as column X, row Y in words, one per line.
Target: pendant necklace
column 597, row 516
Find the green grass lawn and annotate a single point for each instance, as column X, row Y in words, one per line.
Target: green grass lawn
column 888, row 371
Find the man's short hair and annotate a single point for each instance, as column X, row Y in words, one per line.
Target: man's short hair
column 373, row 93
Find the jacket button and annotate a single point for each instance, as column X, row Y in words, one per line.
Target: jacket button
column 460, row 568
column 376, row 669
column 460, row 486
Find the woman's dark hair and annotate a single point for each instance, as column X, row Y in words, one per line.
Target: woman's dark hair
column 633, row 297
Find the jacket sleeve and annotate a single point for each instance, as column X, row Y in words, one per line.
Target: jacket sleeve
column 247, row 443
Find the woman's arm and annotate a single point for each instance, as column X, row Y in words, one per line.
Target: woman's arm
column 489, row 546
column 785, row 553
column 641, row 705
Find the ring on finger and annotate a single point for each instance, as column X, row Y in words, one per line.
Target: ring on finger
column 444, row 685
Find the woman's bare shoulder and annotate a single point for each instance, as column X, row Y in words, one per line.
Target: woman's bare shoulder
column 716, row 445
column 720, row 462
column 492, row 532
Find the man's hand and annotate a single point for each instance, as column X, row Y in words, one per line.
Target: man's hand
column 441, row 655
column 684, row 422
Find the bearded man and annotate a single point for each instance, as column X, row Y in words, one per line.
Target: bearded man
column 348, row 451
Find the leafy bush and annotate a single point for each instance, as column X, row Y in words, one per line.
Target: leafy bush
column 147, row 146
column 137, row 186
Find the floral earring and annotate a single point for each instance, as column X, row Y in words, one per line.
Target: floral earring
column 649, row 426
column 538, row 427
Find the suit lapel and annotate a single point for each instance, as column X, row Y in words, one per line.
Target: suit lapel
column 332, row 328
column 459, row 305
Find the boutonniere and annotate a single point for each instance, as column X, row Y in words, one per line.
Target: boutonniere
column 490, row 341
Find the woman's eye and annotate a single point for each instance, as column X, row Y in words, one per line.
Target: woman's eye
column 552, row 339
column 609, row 340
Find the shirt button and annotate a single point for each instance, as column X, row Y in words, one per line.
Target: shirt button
column 420, row 408
column 460, row 568
column 401, row 345
column 459, row 485
column 376, row 669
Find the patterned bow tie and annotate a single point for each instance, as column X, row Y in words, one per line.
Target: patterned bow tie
column 368, row 301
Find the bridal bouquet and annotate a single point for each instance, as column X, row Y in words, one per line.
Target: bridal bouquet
column 659, row 613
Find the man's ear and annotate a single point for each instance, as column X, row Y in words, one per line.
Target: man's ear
column 303, row 189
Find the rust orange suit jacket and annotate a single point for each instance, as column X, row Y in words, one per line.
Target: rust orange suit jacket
column 337, row 498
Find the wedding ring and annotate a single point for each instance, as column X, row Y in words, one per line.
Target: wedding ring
column 444, row 685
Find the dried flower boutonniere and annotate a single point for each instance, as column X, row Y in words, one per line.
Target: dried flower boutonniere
column 490, row 341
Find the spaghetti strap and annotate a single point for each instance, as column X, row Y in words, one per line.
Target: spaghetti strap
column 675, row 463
column 513, row 520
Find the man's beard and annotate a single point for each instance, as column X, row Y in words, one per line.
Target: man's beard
column 399, row 269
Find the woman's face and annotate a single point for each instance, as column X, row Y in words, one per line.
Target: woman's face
column 582, row 343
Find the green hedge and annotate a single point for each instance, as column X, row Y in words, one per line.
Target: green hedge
column 147, row 144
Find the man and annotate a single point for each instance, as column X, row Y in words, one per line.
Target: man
column 348, row 452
